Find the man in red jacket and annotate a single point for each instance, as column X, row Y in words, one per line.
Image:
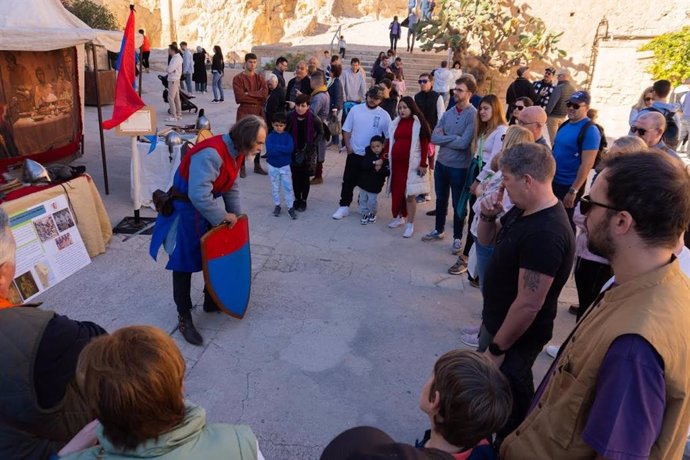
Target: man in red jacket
column 251, row 93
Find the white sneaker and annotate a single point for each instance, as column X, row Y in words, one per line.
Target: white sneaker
column 470, row 330
column 341, row 212
column 471, row 340
column 409, row 230
column 552, row 350
column 457, row 247
column 397, row 222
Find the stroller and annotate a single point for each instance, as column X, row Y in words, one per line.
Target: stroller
column 185, row 99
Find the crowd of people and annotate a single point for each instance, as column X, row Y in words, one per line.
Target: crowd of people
column 542, row 195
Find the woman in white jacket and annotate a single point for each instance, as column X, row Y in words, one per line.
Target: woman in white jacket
column 409, row 136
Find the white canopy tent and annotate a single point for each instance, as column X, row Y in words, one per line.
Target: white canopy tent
column 45, row 25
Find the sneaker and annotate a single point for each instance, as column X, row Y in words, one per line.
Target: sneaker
column 215, row 101
column 433, row 235
column 456, row 249
column 471, row 340
column 409, row 231
column 292, row 213
column 552, row 350
column 372, row 218
column 365, row 219
column 420, row 199
column 341, row 212
column 397, row 222
column 470, row 330
column 431, row 213
column 276, row 211
column 474, row 280
column 459, row 267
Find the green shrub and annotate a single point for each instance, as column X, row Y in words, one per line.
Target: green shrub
column 94, row 15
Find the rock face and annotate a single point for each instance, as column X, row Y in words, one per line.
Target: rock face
column 238, row 25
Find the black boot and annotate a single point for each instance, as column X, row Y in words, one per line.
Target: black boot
column 209, row 305
column 188, row 331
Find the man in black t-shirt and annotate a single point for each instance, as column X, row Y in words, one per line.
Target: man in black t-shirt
column 533, row 255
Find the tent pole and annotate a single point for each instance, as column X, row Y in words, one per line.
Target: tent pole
column 141, row 70
column 100, row 119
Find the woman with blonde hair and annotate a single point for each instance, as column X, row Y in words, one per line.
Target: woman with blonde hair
column 489, row 128
column 479, row 258
column 133, row 380
column 645, row 101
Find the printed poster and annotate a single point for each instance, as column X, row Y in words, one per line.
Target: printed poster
column 49, row 248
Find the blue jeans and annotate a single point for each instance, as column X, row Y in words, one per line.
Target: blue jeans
column 187, row 78
column 217, row 86
column 483, row 255
column 448, row 181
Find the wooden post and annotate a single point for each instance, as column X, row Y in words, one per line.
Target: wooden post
column 100, row 120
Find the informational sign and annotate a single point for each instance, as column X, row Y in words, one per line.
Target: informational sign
column 141, row 122
column 49, row 248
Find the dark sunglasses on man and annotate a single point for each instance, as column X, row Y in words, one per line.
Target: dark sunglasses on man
column 586, row 204
column 639, row 131
column 421, row 82
column 572, row 105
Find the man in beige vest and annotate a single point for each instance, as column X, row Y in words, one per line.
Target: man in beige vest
column 620, row 386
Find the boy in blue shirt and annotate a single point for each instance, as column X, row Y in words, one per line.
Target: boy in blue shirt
column 279, row 147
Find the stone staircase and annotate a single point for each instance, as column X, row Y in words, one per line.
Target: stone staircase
column 413, row 63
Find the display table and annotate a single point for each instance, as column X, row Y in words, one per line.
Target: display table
column 157, row 170
column 86, row 203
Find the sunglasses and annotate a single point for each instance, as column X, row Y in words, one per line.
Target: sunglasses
column 572, row 105
column 519, row 107
column 639, row 131
column 586, row 205
column 648, row 99
column 421, row 82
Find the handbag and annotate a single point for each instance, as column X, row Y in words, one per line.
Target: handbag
column 163, row 201
column 334, row 124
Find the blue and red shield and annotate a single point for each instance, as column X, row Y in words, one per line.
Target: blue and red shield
column 227, row 264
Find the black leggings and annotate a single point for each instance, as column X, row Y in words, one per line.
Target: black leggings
column 300, row 182
column 394, row 42
column 182, row 294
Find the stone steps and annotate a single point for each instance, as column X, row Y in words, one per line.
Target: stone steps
column 413, row 63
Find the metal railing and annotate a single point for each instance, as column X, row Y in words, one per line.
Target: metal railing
column 336, row 36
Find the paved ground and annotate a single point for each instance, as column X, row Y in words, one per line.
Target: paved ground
column 345, row 320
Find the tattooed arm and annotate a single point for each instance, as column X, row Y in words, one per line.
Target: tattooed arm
column 532, row 289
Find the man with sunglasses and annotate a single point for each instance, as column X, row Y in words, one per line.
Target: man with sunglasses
column 574, row 159
column 650, row 127
column 534, row 119
column 619, row 385
column 544, row 87
column 432, row 106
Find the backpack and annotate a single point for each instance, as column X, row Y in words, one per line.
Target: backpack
column 672, row 134
column 581, row 139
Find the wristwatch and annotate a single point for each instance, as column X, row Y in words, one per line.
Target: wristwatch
column 572, row 190
column 496, row 350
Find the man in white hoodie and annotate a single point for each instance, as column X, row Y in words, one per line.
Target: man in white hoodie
column 174, row 71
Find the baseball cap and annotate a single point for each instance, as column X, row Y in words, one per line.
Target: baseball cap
column 369, row 443
column 550, row 69
column 375, row 92
column 580, row 97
